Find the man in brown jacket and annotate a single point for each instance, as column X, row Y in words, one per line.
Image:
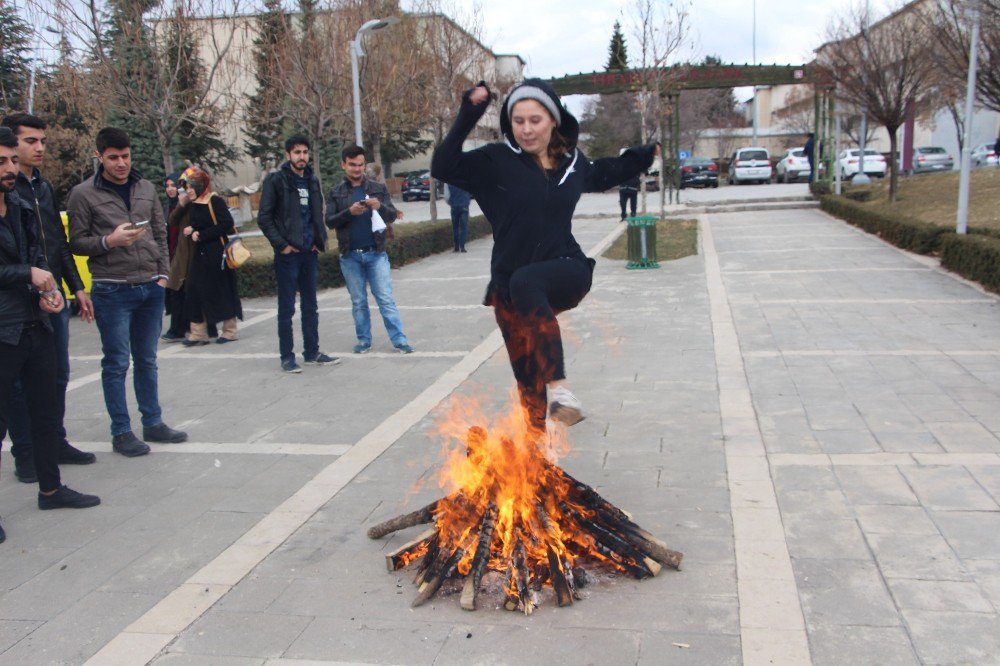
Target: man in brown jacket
column 116, row 219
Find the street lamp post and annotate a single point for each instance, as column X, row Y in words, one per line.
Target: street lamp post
column 34, row 66
column 962, row 217
column 861, row 178
column 356, row 51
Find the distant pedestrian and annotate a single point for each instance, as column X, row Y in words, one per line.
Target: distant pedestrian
column 810, row 150
column 628, row 193
column 996, row 150
column 115, row 218
column 210, row 293
column 362, row 213
column 291, row 216
column 458, row 199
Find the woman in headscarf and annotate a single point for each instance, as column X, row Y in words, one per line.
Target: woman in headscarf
column 211, row 294
column 528, row 187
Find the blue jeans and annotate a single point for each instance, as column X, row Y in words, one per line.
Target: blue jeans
column 296, row 272
column 15, row 416
column 361, row 269
column 129, row 318
column 459, row 225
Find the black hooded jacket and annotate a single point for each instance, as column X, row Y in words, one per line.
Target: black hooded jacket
column 530, row 211
column 18, row 299
column 39, row 196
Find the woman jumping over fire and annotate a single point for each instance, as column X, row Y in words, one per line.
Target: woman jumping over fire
column 528, row 187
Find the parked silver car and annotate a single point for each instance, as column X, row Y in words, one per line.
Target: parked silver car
column 983, row 155
column 931, row 158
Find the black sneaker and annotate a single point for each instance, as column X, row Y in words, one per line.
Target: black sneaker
column 67, row 498
column 322, row 359
column 70, row 455
column 24, row 469
column 163, row 434
column 169, row 337
column 129, row 445
column 196, row 343
column 291, row 367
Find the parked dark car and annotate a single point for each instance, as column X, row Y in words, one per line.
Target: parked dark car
column 699, row 172
column 417, row 186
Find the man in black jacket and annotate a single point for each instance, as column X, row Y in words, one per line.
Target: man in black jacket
column 27, row 351
column 37, row 193
column 291, row 216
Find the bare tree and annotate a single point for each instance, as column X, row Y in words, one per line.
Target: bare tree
column 161, row 65
column 451, row 60
column 881, row 68
column 948, row 24
column 660, row 29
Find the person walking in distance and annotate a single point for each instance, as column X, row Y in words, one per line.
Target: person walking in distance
column 458, row 200
column 810, row 151
column 628, row 194
column 35, row 191
column 528, row 187
column 291, row 216
column 362, row 213
column 28, row 295
column 116, row 220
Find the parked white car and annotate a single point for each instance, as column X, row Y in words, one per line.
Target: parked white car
column 983, row 155
column 792, row 166
column 848, row 160
column 749, row 165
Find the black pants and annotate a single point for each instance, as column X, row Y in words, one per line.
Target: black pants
column 630, row 197
column 538, row 292
column 33, row 361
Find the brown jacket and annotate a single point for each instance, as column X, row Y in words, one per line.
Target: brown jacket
column 95, row 210
column 181, row 262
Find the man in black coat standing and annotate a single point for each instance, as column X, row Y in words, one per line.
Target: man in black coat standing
column 810, row 151
column 27, row 349
column 37, row 193
column 291, row 216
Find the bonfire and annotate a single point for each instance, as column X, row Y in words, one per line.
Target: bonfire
column 511, row 509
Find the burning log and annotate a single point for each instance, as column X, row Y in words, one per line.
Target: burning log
column 517, row 513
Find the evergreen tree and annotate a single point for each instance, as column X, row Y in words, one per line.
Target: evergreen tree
column 617, row 51
column 15, row 63
column 264, row 123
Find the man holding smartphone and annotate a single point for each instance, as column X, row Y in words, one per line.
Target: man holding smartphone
column 362, row 213
column 116, row 220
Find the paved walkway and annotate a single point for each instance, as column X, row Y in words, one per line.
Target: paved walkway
column 809, row 414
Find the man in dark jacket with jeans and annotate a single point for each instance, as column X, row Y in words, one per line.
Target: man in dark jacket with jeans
column 36, row 192
column 291, row 216
column 27, row 350
column 362, row 213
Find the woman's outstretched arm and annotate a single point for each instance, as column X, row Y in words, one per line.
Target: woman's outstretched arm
column 450, row 163
column 605, row 173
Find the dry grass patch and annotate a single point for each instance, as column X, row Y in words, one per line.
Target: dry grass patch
column 933, row 198
column 675, row 239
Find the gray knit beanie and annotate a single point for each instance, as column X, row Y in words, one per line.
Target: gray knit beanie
column 537, row 94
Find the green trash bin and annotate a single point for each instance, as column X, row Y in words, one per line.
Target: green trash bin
column 642, row 242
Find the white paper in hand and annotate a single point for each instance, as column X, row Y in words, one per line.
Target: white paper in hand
column 378, row 224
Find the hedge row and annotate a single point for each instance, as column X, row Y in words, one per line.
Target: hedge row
column 412, row 243
column 975, row 255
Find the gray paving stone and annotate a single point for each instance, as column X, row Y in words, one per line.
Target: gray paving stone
column 814, row 537
column 892, row 519
column 954, row 638
column 837, row 645
column 679, row 649
column 907, row 442
column 180, row 659
column 11, row 631
column 843, row 592
column 520, row 647
column 948, row 489
column 916, row 556
column 875, row 485
column 241, row 634
column 939, row 595
column 973, row 535
column 988, row 477
column 848, row 441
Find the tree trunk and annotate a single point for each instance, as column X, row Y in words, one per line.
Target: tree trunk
column 168, row 157
column 894, row 177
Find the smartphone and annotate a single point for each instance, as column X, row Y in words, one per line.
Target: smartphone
column 140, row 224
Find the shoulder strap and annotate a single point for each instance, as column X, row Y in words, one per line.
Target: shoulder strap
column 215, row 221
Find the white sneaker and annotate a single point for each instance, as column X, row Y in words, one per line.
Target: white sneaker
column 564, row 406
